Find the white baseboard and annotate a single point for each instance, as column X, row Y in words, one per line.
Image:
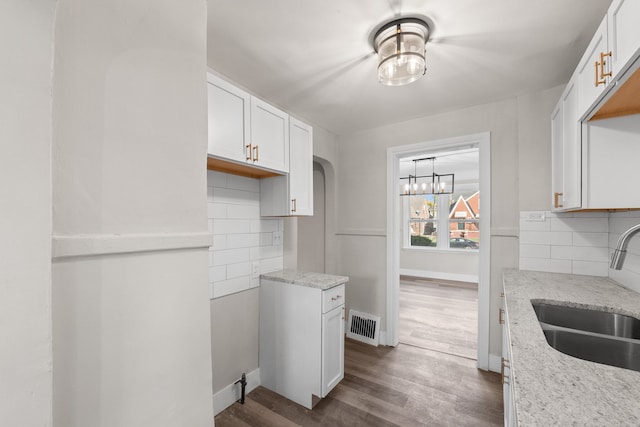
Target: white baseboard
column 438, row 275
column 231, row 393
column 495, row 363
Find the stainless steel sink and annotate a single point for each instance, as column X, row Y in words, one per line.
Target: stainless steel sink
column 600, row 322
column 597, row 336
column 623, row 353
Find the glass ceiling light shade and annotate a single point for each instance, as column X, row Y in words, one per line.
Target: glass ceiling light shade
column 400, row 46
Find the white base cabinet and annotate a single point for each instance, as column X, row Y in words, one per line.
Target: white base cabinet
column 508, row 397
column 301, row 340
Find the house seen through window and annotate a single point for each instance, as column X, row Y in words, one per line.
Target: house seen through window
column 447, row 221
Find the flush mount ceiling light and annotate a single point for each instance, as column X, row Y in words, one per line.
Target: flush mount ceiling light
column 427, row 184
column 400, row 45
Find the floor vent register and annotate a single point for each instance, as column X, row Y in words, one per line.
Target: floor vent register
column 364, row 327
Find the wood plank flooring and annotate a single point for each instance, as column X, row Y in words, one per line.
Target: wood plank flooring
column 385, row 386
column 439, row 315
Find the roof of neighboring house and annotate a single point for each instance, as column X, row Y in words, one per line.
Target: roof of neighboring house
column 463, row 203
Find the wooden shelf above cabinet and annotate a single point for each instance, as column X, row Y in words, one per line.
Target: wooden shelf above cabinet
column 215, row 164
column 624, row 102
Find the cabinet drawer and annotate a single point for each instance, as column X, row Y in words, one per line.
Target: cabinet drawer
column 332, row 298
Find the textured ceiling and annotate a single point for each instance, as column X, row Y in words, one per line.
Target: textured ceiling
column 314, row 59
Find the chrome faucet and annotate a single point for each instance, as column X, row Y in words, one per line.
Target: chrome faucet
column 617, row 259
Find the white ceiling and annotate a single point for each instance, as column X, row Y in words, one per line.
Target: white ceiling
column 313, row 58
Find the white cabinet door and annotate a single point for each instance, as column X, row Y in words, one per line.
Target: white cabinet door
column 292, row 195
column 269, row 136
column 623, row 33
column 301, row 168
column 566, row 160
column 332, row 349
column 593, row 69
column 228, row 119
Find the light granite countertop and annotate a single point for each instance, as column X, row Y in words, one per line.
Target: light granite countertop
column 304, row 278
column 552, row 388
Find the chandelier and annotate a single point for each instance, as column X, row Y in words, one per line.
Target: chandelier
column 426, row 184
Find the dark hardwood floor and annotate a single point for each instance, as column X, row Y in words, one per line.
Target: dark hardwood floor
column 430, row 379
column 385, row 386
column 439, row 315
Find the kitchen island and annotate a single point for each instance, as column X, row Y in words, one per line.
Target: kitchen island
column 550, row 387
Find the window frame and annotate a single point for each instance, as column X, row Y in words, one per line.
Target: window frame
column 442, row 221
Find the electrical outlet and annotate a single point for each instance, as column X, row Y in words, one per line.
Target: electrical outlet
column 536, row 216
column 255, row 269
column 277, row 238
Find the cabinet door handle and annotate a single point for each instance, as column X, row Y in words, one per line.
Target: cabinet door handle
column 600, row 74
column 294, row 206
column 255, row 151
column 342, row 313
column 501, row 316
column 555, row 200
column 504, row 364
column 249, row 152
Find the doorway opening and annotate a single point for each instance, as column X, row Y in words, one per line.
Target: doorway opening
column 439, row 252
column 439, row 226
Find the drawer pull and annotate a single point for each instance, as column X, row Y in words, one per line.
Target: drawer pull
column 336, row 298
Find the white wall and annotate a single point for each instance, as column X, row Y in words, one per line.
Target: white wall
column 311, row 232
column 362, row 175
column 131, row 321
column 241, row 238
column 26, row 43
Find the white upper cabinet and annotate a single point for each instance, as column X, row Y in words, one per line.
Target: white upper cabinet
column 623, row 33
column 566, row 151
column 594, row 70
column 292, row 195
column 246, row 135
column 229, row 109
column 301, row 168
column 269, row 136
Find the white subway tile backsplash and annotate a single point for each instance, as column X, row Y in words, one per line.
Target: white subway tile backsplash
column 243, row 211
column 231, row 226
column 238, row 270
column 217, row 210
column 231, row 256
column 266, row 239
column 231, row 286
column 240, row 236
column 590, row 268
column 576, row 243
column 535, row 251
column 236, row 182
column 579, row 253
column 592, row 225
column 219, row 242
column 243, row 240
column 235, row 197
column 546, row 238
column 526, row 225
column 217, row 274
column 550, row 265
column 600, row 240
column 216, row 179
